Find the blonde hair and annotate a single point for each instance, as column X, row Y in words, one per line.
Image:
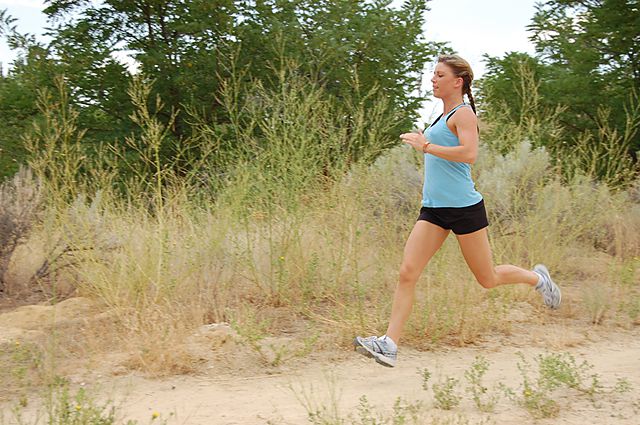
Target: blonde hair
column 462, row 69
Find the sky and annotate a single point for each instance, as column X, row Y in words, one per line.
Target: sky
column 472, row 28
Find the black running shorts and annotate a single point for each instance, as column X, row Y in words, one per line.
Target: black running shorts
column 461, row 220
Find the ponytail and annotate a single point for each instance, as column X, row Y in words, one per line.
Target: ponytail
column 471, row 101
column 467, row 91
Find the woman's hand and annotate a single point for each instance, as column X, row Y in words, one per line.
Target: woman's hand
column 416, row 140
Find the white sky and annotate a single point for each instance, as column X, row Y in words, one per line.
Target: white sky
column 472, row 28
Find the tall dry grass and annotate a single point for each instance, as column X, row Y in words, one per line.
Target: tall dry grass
column 286, row 240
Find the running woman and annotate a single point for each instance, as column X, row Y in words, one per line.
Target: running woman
column 450, row 202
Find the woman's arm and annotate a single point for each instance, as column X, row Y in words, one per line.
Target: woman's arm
column 465, row 123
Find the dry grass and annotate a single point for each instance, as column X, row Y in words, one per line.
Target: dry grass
column 333, row 262
column 276, row 250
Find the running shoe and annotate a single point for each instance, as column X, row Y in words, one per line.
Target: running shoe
column 550, row 291
column 382, row 349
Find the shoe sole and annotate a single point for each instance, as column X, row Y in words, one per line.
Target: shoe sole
column 379, row 358
column 544, row 269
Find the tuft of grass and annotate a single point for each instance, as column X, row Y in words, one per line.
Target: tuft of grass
column 622, row 386
column 425, row 376
column 20, row 208
column 23, row 366
column 484, row 401
column 554, row 371
column 64, row 406
column 597, row 301
column 445, row 393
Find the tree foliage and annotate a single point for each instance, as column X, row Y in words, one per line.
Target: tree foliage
column 587, row 60
column 189, row 49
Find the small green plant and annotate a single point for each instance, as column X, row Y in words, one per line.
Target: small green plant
column 78, row 409
column 22, row 367
column 622, row 386
column 366, row 416
column 508, row 392
column 445, row 394
column 534, row 396
column 253, row 329
column 476, row 387
column 425, row 375
column 554, row 371
column 561, row 369
column 24, row 357
column 403, row 411
column 64, row 407
column 323, row 413
column 539, row 404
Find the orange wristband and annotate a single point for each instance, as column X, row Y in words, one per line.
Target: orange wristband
column 424, row 147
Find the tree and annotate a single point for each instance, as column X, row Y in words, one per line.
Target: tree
column 349, row 47
column 18, row 92
column 587, row 59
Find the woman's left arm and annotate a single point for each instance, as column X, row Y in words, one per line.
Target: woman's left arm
column 465, row 123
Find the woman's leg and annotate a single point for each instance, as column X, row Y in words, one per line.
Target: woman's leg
column 423, row 242
column 477, row 253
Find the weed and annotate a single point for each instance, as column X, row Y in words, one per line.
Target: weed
column 319, row 413
column 562, row 369
column 535, row 397
column 251, row 328
column 622, row 386
column 22, row 365
column 403, row 411
column 554, row 371
column 366, row 415
column 479, row 392
column 64, row 407
column 445, row 394
column 597, row 300
column 425, row 375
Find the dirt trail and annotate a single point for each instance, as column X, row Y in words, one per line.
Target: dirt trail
column 232, row 388
column 271, row 399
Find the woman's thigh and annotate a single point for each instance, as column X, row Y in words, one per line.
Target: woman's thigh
column 423, row 242
column 477, row 253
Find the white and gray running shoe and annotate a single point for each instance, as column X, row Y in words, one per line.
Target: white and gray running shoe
column 382, row 349
column 550, row 291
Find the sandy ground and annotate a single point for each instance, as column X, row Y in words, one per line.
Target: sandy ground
column 228, row 391
column 279, row 398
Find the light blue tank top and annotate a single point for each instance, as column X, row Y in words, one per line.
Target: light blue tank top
column 446, row 183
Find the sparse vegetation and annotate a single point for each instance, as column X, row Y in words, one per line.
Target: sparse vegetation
column 483, row 399
column 267, row 251
column 547, row 389
column 20, row 206
column 287, row 237
column 62, row 406
column 538, row 395
column 445, row 393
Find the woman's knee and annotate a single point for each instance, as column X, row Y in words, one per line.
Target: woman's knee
column 488, row 281
column 409, row 274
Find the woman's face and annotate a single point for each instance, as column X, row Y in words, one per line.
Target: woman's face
column 444, row 81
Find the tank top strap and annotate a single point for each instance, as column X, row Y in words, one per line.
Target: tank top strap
column 455, row 109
